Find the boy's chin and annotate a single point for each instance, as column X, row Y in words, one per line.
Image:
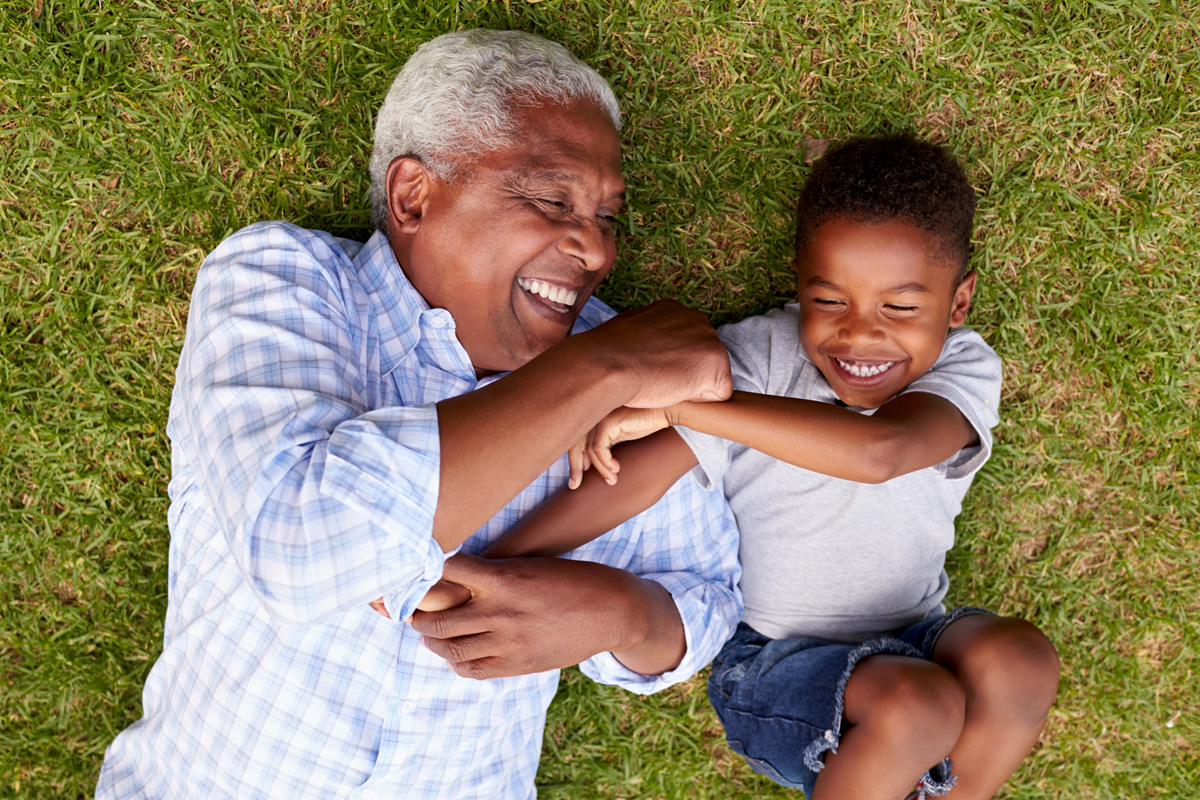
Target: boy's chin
column 863, row 398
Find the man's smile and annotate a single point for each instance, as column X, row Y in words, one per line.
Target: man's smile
column 557, row 298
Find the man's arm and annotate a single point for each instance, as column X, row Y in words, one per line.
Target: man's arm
column 671, row 610
column 647, row 357
column 327, row 502
column 570, row 518
column 567, row 519
column 909, row 432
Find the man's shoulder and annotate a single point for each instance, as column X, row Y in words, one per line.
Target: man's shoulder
column 283, row 237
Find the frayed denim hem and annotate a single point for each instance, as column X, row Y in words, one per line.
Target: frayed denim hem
column 937, row 781
column 829, row 740
column 954, row 615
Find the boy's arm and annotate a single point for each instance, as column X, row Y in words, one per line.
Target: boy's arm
column 910, row 432
column 570, row 518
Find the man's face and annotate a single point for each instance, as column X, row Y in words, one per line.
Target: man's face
column 877, row 301
column 515, row 250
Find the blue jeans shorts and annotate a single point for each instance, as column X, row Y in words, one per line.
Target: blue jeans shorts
column 780, row 700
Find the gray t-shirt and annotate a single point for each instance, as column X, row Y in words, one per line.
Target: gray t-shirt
column 828, row 557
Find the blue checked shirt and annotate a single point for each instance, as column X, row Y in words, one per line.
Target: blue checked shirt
column 304, row 480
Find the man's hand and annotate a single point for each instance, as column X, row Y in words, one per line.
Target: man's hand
column 671, row 352
column 443, row 595
column 536, row 614
column 622, row 425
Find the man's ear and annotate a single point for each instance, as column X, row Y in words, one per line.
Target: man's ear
column 408, row 183
column 962, row 299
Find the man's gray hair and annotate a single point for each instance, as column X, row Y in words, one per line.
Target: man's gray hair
column 453, row 101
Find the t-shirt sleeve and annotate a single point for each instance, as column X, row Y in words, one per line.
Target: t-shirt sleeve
column 968, row 374
column 750, row 369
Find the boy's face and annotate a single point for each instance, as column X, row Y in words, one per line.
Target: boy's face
column 877, row 300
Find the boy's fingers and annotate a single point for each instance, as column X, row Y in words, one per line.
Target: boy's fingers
column 600, row 451
column 577, row 456
column 380, row 607
column 604, row 463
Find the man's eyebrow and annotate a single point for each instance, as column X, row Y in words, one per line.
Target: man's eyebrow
column 560, row 176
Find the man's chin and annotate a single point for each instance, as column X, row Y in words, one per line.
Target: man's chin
column 518, row 355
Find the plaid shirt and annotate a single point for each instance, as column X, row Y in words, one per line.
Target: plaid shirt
column 304, row 479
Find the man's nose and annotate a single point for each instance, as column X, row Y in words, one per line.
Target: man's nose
column 587, row 242
column 860, row 327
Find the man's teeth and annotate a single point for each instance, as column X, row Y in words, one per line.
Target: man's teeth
column 548, row 291
column 865, row 370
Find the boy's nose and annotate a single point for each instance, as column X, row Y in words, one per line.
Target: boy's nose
column 860, row 329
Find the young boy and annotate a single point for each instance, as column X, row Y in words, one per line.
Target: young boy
column 857, row 426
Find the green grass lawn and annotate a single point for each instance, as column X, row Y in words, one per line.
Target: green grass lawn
column 135, row 135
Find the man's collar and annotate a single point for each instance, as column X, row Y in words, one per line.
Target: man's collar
column 400, row 308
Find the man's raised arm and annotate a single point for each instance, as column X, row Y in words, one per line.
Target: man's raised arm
column 496, row 440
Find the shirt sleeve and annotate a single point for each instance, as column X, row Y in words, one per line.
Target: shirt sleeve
column 687, row 543
column 324, row 501
column 968, row 374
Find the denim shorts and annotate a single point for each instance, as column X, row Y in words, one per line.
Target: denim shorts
column 780, row 700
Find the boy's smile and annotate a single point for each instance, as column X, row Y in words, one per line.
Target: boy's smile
column 877, row 300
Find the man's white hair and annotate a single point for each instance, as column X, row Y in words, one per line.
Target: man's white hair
column 453, row 101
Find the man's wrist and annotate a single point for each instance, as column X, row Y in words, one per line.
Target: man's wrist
column 651, row 639
column 607, row 368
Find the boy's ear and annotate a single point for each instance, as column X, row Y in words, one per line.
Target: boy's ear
column 408, row 184
column 962, row 299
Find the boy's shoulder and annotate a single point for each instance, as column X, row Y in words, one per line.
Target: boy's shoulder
column 778, row 326
column 766, row 355
column 965, row 346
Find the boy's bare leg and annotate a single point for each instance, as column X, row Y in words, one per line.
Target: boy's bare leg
column 1009, row 672
column 905, row 715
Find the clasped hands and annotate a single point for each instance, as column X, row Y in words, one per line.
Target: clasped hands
column 670, row 354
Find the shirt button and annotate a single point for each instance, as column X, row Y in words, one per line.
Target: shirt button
column 407, row 707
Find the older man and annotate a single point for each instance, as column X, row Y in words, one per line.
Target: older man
column 339, row 425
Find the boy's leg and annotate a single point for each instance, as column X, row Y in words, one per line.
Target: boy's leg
column 1008, row 671
column 904, row 715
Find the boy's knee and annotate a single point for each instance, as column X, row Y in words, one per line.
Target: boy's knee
column 1012, row 662
column 917, row 705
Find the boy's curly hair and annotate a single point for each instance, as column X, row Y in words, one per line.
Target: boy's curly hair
column 879, row 178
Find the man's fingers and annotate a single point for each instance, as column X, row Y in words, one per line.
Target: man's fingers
column 470, row 571
column 380, row 607
column 461, row 649
column 443, row 595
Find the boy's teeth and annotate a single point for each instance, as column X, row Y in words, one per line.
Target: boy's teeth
column 548, row 291
column 865, row 370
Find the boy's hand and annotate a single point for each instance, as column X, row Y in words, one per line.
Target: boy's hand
column 622, row 425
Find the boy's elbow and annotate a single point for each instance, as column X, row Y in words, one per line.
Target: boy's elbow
column 883, row 458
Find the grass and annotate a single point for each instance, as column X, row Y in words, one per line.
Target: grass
column 134, row 136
